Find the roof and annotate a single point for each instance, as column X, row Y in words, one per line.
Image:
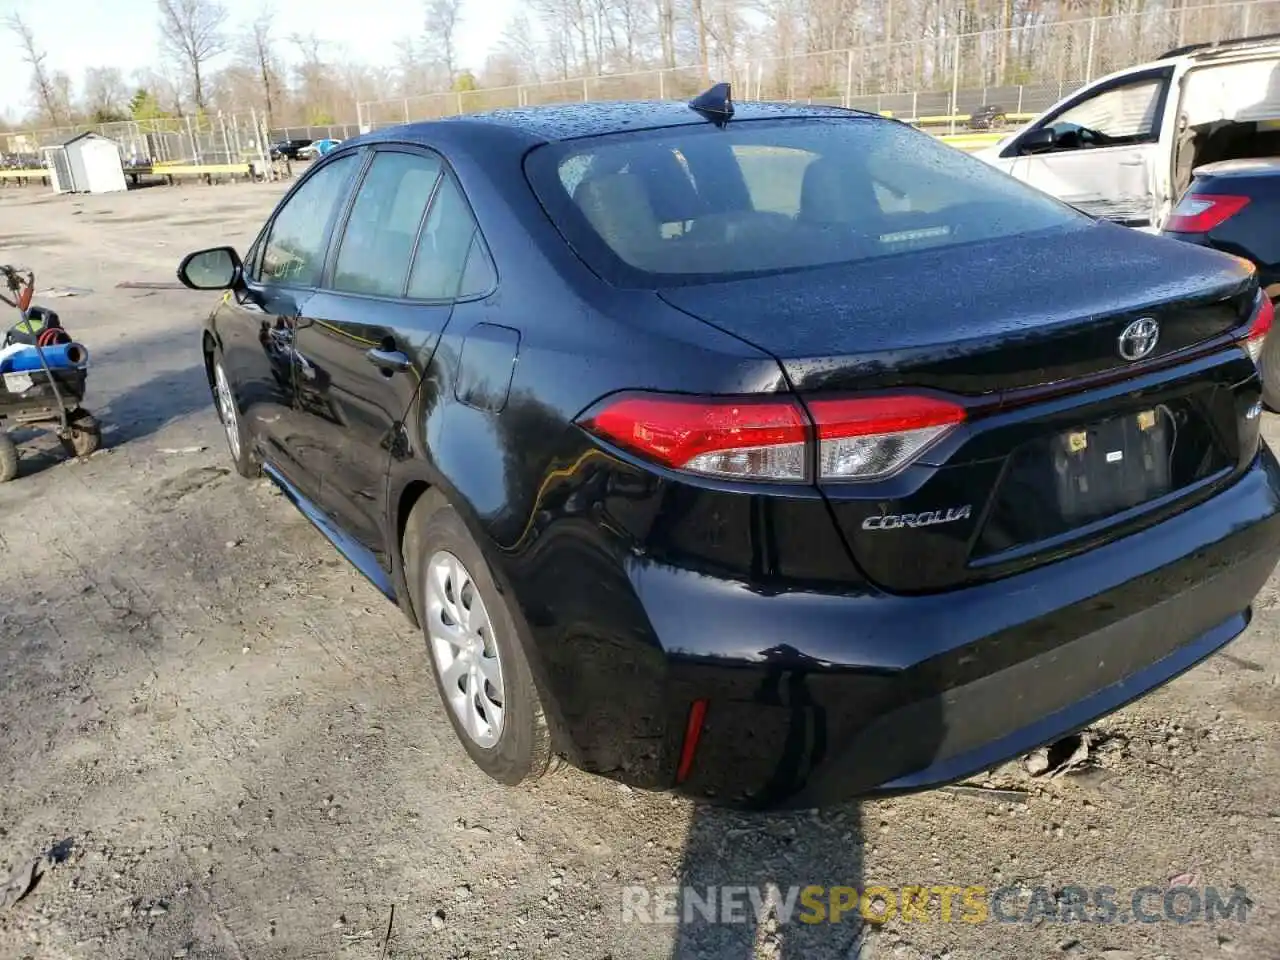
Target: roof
column 1222, row 46
column 568, row 121
column 83, row 135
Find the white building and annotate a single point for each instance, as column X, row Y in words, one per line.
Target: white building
column 86, row 163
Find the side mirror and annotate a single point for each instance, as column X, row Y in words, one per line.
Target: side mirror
column 1038, row 141
column 218, row 268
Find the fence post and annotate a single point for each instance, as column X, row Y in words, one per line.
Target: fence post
column 586, row 90
column 955, row 84
column 460, row 111
column 195, row 148
column 226, row 143
column 405, row 106
column 662, row 84
column 1020, row 89
column 1093, row 37
column 848, row 78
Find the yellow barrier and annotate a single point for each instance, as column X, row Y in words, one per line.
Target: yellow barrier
column 23, row 174
column 964, row 118
column 200, row 170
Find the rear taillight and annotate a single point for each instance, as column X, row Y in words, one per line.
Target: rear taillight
column 748, row 439
column 1264, row 315
column 1201, row 212
column 861, row 438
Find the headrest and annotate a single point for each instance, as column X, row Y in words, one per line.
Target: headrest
column 836, row 192
column 617, row 206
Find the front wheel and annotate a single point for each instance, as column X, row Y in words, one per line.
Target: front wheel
column 480, row 668
column 228, row 409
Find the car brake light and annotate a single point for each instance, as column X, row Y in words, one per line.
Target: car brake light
column 1201, row 212
column 867, row 438
column 858, row 438
column 1256, row 333
column 749, row 439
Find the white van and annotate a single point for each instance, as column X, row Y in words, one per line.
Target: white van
column 1124, row 146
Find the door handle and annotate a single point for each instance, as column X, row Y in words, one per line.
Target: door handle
column 392, row 360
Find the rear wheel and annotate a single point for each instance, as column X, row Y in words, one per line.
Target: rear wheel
column 86, row 436
column 8, row 458
column 479, row 665
column 224, row 399
column 1269, row 370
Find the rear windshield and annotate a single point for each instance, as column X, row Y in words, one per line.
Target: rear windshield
column 700, row 204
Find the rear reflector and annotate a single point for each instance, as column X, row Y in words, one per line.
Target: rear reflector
column 692, row 733
column 768, row 439
column 872, row 437
column 1263, row 319
column 1201, row 212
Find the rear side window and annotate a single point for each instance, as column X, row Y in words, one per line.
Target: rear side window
column 451, row 261
column 295, row 247
column 377, row 243
column 700, row 204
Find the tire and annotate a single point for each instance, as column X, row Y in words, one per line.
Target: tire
column 8, row 458
column 516, row 747
column 86, row 436
column 228, row 410
column 1269, row 372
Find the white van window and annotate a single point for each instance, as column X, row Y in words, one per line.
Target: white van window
column 1125, row 113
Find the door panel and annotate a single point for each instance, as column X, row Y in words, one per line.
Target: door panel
column 353, row 398
column 1114, row 183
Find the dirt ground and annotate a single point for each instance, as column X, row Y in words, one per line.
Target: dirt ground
column 225, row 744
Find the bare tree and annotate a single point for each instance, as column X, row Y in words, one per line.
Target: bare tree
column 257, row 52
column 192, row 32
column 106, row 95
column 41, row 83
column 442, row 20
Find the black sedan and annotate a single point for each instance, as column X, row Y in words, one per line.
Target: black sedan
column 704, row 459
column 289, row 149
column 1234, row 206
column 988, row 117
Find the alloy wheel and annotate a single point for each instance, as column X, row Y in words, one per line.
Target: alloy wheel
column 227, row 410
column 462, row 644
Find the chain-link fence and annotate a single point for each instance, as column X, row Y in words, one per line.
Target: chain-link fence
column 203, row 140
column 1023, row 70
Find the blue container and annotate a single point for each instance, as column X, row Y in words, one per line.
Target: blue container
column 61, row 356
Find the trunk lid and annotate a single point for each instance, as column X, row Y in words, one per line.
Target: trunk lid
column 1067, row 443
column 977, row 319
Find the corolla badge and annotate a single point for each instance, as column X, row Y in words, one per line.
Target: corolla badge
column 1139, row 338
column 927, row 518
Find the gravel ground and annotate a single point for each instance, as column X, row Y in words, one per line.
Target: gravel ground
column 220, row 742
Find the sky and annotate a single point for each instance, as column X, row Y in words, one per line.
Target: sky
column 122, row 33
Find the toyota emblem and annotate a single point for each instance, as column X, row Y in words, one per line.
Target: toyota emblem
column 1139, row 338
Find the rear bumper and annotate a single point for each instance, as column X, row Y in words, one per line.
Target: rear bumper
column 815, row 698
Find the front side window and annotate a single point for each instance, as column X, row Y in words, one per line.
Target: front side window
column 377, row 243
column 1121, row 115
column 295, row 248
column 699, row 204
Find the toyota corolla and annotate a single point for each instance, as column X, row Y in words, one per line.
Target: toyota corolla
column 776, row 455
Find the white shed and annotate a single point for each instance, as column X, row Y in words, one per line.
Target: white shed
column 86, row 163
